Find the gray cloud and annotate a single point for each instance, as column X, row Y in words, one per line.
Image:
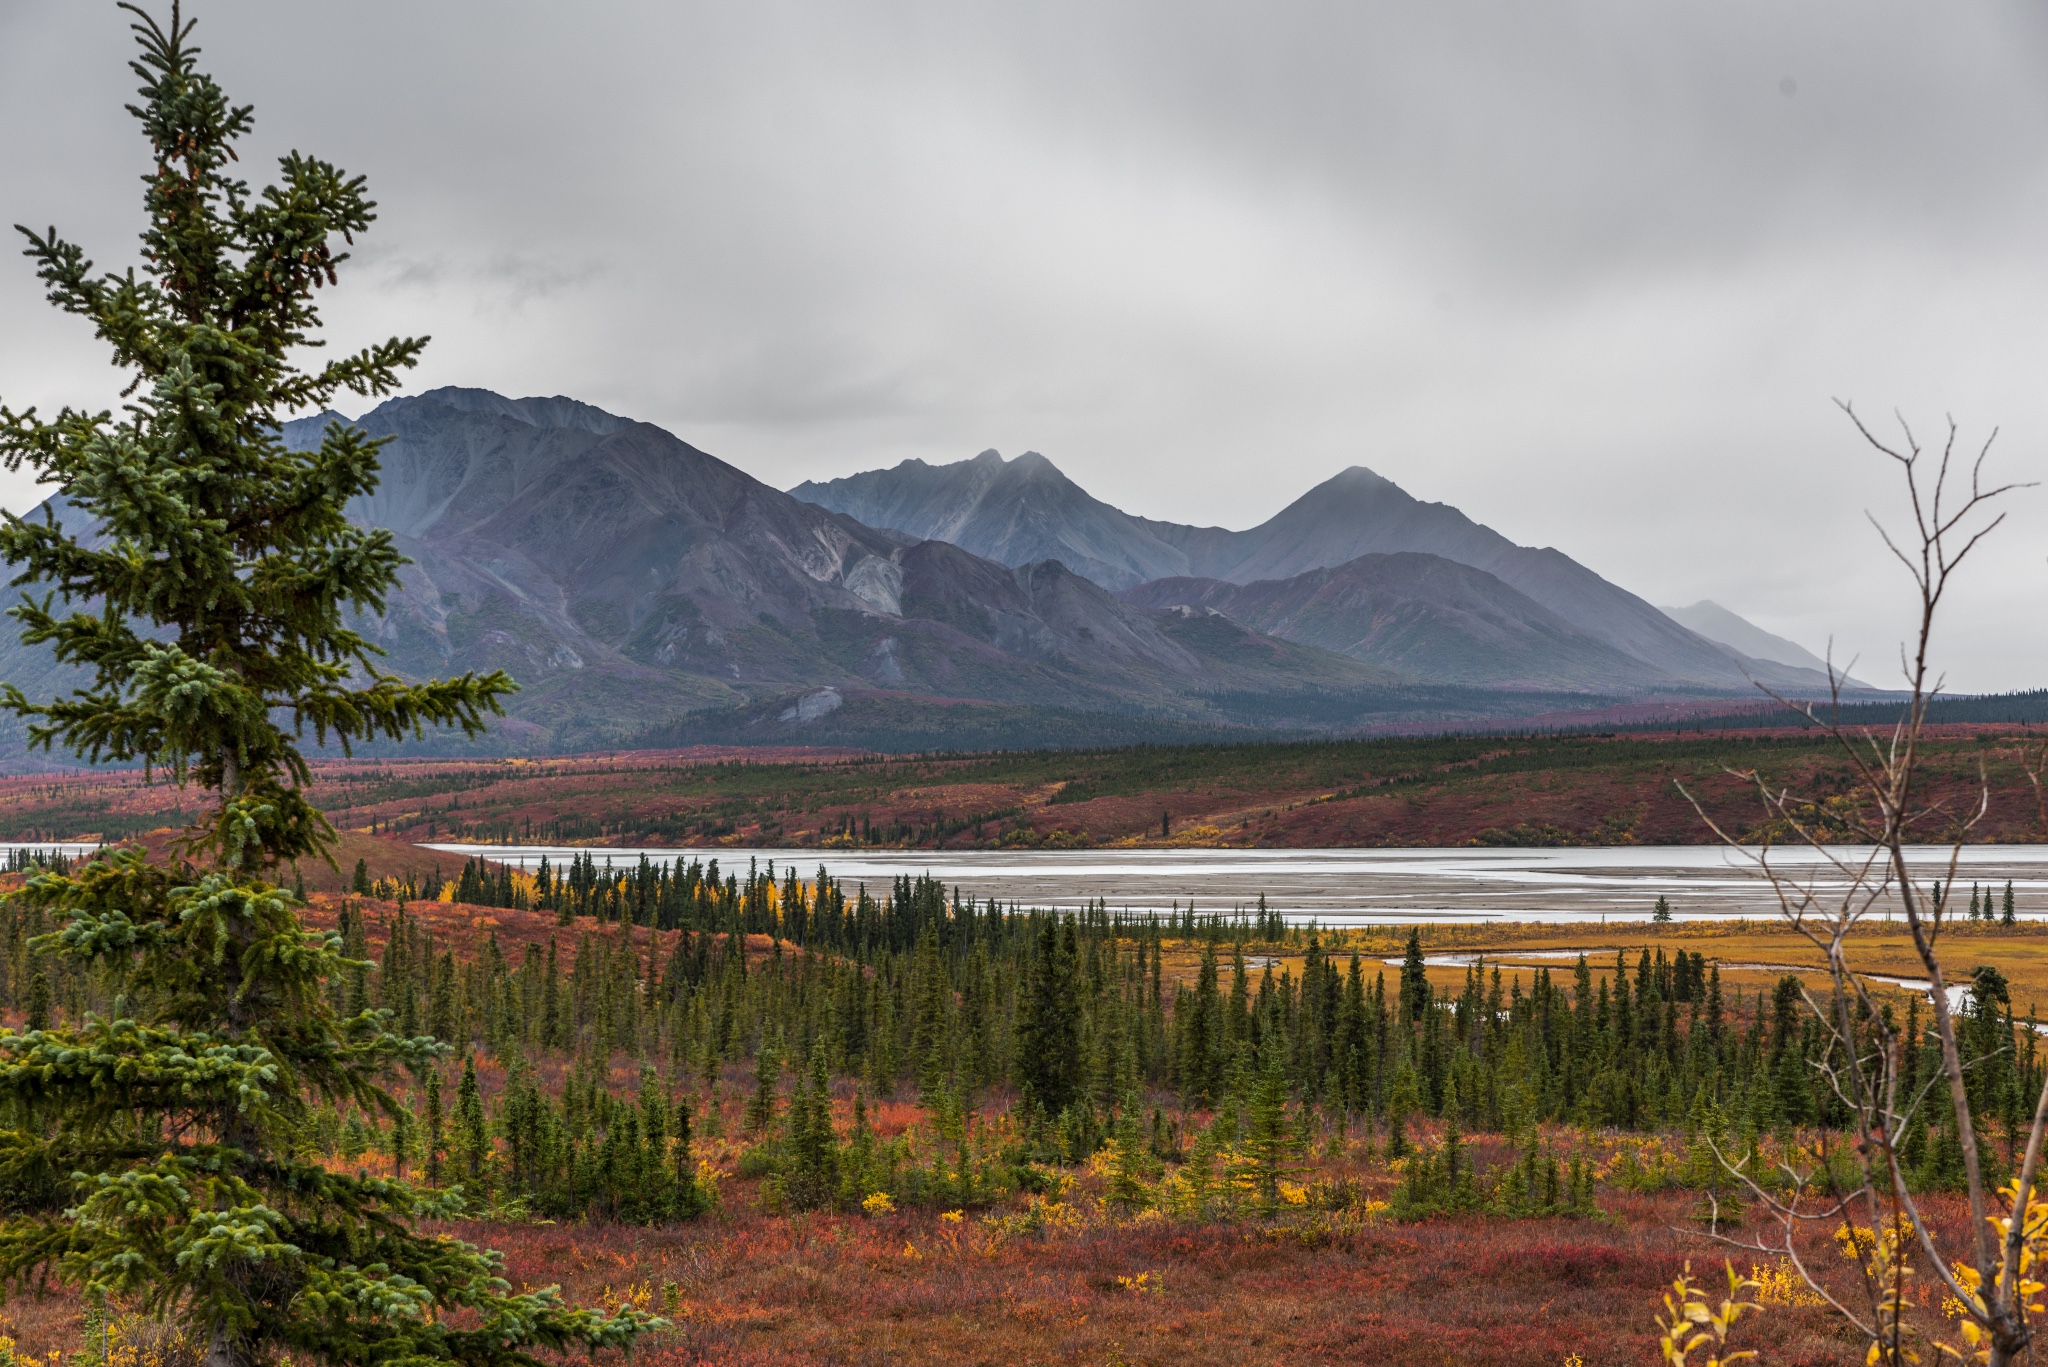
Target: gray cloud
column 1592, row 272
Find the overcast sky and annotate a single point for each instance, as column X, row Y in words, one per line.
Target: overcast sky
column 1591, row 272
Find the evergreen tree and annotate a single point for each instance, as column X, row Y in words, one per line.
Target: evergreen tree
column 1048, row 1022
column 158, row 1152
column 810, row 1152
column 1402, row 1102
column 472, row 1130
column 760, row 1111
column 39, row 999
column 1131, row 1161
column 1269, row 1140
column 1202, row 1034
column 1414, row 979
column 691, row 1197
column 436, row 1137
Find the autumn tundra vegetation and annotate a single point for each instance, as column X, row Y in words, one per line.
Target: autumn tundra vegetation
column 714, row 1114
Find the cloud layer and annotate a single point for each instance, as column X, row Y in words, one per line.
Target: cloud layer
column 1592, row 272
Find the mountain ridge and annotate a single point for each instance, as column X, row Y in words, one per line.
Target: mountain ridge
column 1355, row 512
column 633, row 584
column 624, row 577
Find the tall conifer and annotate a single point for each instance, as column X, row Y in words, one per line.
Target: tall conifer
column 208, row 573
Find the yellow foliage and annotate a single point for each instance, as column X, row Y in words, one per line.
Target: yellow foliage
column 1694, row 1323
column 878, row 1203
column 1972, row 1310
column 1782, row 1285
column 134, row 1341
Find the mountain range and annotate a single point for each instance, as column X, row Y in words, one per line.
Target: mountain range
column 640, row 589
column 1528, row 616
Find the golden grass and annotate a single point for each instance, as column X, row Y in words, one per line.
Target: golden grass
column 1751, row 954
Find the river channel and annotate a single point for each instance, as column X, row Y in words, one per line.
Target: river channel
column 1352, row 887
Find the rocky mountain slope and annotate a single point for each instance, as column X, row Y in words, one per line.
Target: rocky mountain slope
column 626, row 578
column 1011, row 511
column 1027, row 508
column 637, row 586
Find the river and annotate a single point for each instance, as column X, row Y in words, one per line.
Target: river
column 1351, row 887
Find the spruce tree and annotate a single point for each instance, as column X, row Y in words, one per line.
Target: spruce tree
column 1270, row 1141
column 760, row 1112
column 1048, row 1023
column 207, row 575
column 810, row 1151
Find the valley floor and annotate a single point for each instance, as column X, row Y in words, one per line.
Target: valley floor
column 1069, row 1276
column 1411, row 792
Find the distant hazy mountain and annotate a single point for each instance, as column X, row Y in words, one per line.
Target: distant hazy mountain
column 1026, row 508
column 1717, row 623
column 1420, row 615
column 624, row 577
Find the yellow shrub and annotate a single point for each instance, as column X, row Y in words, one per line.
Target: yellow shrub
column 1782, row 1285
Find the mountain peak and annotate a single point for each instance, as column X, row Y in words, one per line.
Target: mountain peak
column 1031, row 465
column 557, row 411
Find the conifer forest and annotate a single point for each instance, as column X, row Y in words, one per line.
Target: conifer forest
column 702, row 1054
